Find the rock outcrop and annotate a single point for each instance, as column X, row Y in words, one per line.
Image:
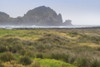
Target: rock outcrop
column 4, row 18
column 67, row 22
column 40, row 16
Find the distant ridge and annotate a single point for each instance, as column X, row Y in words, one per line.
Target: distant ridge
column 40, row 16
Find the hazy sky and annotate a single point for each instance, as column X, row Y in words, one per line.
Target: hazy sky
column 85, row 12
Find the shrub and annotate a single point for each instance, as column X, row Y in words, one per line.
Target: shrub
column 25, row 60
column 22, row 52
column 7, row 56
column 3, row 48
column 82, row 62
column 30, row 53
column 1, row 64
column 15, row 48
column 71, row 59
column 98, row 49
column 35, row 64
column 73, row 34
column 95, row 63
column 39, row 56
column 12, row 64
column 59, row 56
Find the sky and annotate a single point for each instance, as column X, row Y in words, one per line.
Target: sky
column 81, row 12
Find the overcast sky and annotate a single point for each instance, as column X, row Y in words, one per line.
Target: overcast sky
column 81, row 12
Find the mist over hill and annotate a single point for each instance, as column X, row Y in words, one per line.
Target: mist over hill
column 40, row 16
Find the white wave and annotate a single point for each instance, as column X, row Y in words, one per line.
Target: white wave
column 33, row 26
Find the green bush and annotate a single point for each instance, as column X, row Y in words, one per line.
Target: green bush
column 1, row 64
column 30, row 53
column 36, row 64
column 22, row 52
column 13, row 64
column 25, row 60
column 3, row 48
column 59, row 56
column 82, row 62
column 71, row 59
column 7, row 56
column 39, row 56
column 73, row 34
column 15, row 48
column 95, row 63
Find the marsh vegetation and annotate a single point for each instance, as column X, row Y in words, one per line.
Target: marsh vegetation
column 50, row 48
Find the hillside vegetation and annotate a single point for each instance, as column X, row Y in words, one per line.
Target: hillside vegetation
column 50, row 48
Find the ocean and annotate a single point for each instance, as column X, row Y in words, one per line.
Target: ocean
column 33, row 26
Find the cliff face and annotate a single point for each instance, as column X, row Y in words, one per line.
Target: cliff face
column 67, row 22
column 40, row 16
column 4, row 18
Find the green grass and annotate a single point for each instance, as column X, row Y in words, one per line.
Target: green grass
column 53, row 63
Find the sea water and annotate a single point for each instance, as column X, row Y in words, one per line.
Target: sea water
column 33, row 26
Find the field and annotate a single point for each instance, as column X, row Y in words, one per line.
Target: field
column 50, row 48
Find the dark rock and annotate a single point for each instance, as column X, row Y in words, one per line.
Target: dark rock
column 43, row 16
column 40, row 16
column 67, row 22
column 4, row 18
